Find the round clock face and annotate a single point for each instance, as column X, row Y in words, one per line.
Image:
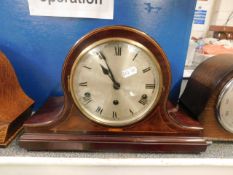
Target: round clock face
column 224, row 107
column 116, row 82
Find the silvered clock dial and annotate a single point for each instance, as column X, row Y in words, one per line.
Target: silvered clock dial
column 116, row 81
column 225, row 107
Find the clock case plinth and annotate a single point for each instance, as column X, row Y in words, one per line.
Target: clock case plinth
column 201, row 94
column 60, row 125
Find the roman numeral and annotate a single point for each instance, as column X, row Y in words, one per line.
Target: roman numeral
column 83, row 84
column 87, row 98
column 146, row 70
column 101, row 55
column 87, row 67
column 143, row 101
column 131, row 111
column 114, row 115
column 117, row 50
column 99, row 110
column 150, row 86
column 135, row 56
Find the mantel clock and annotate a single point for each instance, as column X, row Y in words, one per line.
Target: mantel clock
column 116, row 84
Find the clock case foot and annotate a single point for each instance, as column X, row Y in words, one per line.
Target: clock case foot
column 46, row 131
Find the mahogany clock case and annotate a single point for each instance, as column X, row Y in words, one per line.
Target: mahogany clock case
column 15, row 105
column 60, row 125
column 200, row 97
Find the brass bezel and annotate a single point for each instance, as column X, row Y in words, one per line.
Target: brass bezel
column 91, row 116
column 224, row 90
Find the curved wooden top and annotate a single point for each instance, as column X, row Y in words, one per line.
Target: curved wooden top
column 13, row 100
column 118, row 32
column 63, row 115
column 204, row 80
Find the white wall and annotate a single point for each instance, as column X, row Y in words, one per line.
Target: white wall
column 200, row 30
column 217, row 14
column 221, row 11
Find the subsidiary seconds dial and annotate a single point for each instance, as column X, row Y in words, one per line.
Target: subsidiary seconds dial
column 116, row 81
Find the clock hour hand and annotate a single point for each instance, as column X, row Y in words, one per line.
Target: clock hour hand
column 107, row 71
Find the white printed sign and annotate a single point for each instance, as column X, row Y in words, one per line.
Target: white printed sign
column 102, row 9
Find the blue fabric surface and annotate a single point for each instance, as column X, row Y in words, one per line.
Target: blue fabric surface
column 37, row 46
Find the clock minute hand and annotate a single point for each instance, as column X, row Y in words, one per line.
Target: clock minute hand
column 107, row 71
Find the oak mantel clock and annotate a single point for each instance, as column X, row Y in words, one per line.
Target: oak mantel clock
column 208, row 97
column 116, row 83
column 15, row 105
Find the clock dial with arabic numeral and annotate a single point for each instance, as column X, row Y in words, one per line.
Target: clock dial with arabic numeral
column 116, row 82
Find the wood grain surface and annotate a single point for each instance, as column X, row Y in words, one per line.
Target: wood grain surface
column 202, row 91
column 14, row 103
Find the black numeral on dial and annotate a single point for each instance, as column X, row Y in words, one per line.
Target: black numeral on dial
column 118, row 50
column 87, row 67
column 83, row 84
column 150, row 86
column 143, row 101
column 87, row 98
column 131, row 111
column 99, row 110
column 114, row 115
column 135, row 56
column 100, row 55
column 146, row 70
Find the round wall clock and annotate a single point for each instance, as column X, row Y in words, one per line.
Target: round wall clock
column 116, row 82
column 209, row 96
